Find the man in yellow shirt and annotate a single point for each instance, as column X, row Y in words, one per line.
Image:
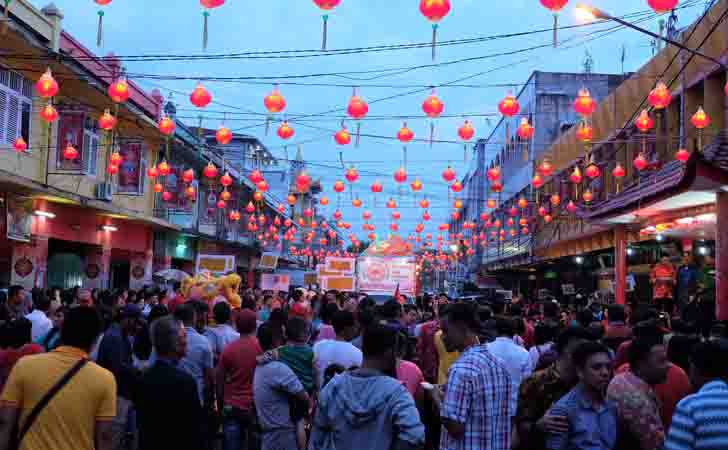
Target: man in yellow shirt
column 79, row 416
column 445, row 358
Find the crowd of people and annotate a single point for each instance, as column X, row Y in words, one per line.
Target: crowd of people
column 301, row 370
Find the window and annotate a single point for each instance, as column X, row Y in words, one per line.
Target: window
column 77, row 129
column 90, row 152
column 15, row 107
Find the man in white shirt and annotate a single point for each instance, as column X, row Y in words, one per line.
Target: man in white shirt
column 513, row 356
column 222, row 333
column 39, row 317
column 339, row 351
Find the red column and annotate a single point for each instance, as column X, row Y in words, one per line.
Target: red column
column 620, row 264
column 721, row 258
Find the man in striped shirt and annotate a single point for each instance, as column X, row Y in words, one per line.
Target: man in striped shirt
column 701, row 420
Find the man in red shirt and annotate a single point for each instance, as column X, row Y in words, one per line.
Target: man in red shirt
column 235, row 372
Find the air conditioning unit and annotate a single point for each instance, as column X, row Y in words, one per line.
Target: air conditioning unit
column 104, row 191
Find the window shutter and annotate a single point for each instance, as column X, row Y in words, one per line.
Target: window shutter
column 90, row 153
column 142, row 174
column 3, row 114
column 13, row 128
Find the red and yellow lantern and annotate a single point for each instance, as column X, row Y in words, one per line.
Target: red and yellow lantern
column 223, row 136
column 119, row 90
column 70, row 153
column 166, row 125
column 46, row 86
column 584, row 105
column 107, row 122
column 326, row 6
column 48, row 114
column 659, row 97
column 434, row 11
column 285, row 131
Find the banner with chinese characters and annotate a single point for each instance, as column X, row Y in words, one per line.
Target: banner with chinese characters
column 382, row 275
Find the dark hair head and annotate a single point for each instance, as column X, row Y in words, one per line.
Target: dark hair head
column 221, row 313
column 544, row 332
column 342, row 320
column 18, row 332
column 570, row 334
column 616, row 313
column 585, row 317
column 297, row 329
column 643, row 313
column 516, row 310
column 157, row 311
column 41, row 301
column 585, row 350
column 710, row 358
column 504, row 325
column 165, row 335
column 185, row 313
column 247, row 321
column 201, row 308
column 391, row 310
column 379, row 339
column 551, row 310
column 13, row 290
column 465, row 314
column 641, row 347
column 81, row 327
column 279, row 317
column 246, row 302
column 328, row 311
column 269, row 336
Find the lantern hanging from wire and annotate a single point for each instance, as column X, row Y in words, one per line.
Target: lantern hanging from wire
column 326, row 6
column 20, row 145
column 508, row 107
column 432, row 107
column 70, row 153
column 152, row 172
column 357, row 110
column 112, row 169
column 555, row 6
column 587, row 196
column 662, row 6
column 700, row 120
column 592, row 171
column 525, row 132
column 285, row 131
column 208, row 5
column 356, row 202
column 191, row 193
column 456, row 187
column 210, row 171
column 682, row 155
column 200, row 97
column 166, row 125
column 342, row 137
column 339, row 186
column 107, row 122
column 223, row 135
column 584, row 132
column 46, row 86
column 494, row 173
column 448, row 175
column 466, row 133
column 584, row 104
column 618, row 172
column 416, row 185
column 434, row 11
column 555, row 200
column 274, row 103
column 188, row 176
column 49, row 114
column 659, row 97
column 116, row 159
column 545, row 168
column 119, row 90
column 522, row 203
column 640, row 162
column 400, row 176
column 163, row 168
column 100, row 27
column 537, row 181
column 576, row 176
column 571, row 207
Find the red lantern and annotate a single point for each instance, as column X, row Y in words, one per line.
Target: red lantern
column 456, row 187
column 291, row 199
column 188, row 176
column 576, row 176
column 152, row 172
column 366, row 215
column 225, row 195
column 640, row 162
column 644, row 122
column 509, row 106
column 571, row 207
column 163, row 168
column 48, row 113
column 405, row 134
column 119, row 90
column 513, row 211
column 522, row 203
column 491, row 203
column 455, row 216
column 257, row 196
column 356, row 203
column 262, row 186
column 46, row 86
column 339, row 186
column 210, row 171
column 166, row 126
column 351, row 175
column 434, row 11
column 542, row 211
column 70, row 153
column 115, row 159
column 448, row 175
column 700, row 119
column 494, row 173
column 587, row 196
column 525, row 130
column 200, row 97
column 555, row 6
column 377, row 187
column 416, row 185
column 285, row 131
column 342, row 137
column 324, row 201
column 555, row 200
column 107, row 122
column 396, row 215
column 20, row 145
column 391, row 204
column 226, row 180
column 537, row 181
column 466, row 132
column 548, row 218
column 424, row 203
column 303, row 181
column 220, row 204
column 400, row 176
column 167, row 196
column 662, row 6
column 112, row 169
column 682, row 155
column 250, row 208
column 592, row 171
column 158, row 187
column 234, row 215
column 660, row 96
column 524, row 230
column 274, row 102
column 432, row 106
column 545, row 169
column 618, row 171
column 584, row 105
column 190, row 192
column 584, row 132
column 223, row 136
column 358, row 108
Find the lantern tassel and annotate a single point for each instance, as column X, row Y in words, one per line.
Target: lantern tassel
column 525, row 152
column 556, row 27
column 267, row 125
column 6, row 22
column 358, row 134
column 465, row 152
column 100, row 31
column 205, row 33
column 432, row 132
column 434, row 39
column 325, row 18
column 404, row 156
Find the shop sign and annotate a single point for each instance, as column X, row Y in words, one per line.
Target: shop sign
column 275, row 282
column 19, row 218
column 268, row 261
column 215, row 264
column 345, row 266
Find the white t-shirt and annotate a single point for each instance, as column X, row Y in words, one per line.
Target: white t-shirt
column 41, row 324
column 329, row 352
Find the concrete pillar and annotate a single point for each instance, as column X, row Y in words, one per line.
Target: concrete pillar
column 55, row 15
column 721, row 257
column 620, row 264
column 714, row 100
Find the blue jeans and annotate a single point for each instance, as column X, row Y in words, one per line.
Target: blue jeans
column 236, row 430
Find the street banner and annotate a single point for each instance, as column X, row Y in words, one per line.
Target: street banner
column 341, row 284
column 383, row 274
column 268, row 261
column 310, row 278
column 344, row 266
column 215, row 264
column 275, row 282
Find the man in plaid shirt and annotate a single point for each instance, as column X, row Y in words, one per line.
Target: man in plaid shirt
column 476, row 410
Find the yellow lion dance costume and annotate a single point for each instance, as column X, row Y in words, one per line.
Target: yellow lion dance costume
column 210, row 287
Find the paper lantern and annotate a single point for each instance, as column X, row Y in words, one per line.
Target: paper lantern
column 524, row 230
column 324, row 201
column 356, row 203
column 618, row 171
column 357, row 108
column 592, row 171
column 210, row 171
column 682, row 155
column 234, row 215
column 400, row 176
column 523, row 221
column 456, row 187
column 548, row 218
column 405, row 135
column 416, row 185
column 509, row 106
column 366, row 215
column 257, row 196
column 522, row 203
column 659, row 97
column 584, row 105
column 225, row 195
column 274, row 102
column 152, row 172
column 200, row 97
column 112, row 169
column 342, row 137
column 188, row 176
column 554, row 6
column 700, row 119
column 223, row 136
column 391, row 204
column 119, row 90
column 555, row 199
column 46, row 86
column 494, row 173
column 545, row 169
column 525, row 130
column 424, row 203
column 163, row 168
column 455, row 216
column 158, row 187
column 644, row 122
column 70, row 153
column 339, row 186
column 513, row 211
column 262, row 186
column 167, row 196
column 537, row 181
column 115, row 159
column 166, row 126
column 396, row 215
column 351, row 175
column 20, row 145
column 377, row 187
column 584, row 132
column 303, row 181
column 466, row 131
column 662, row 6
column 48, row 114
column 491, row 203
column 434, row 11
column 285, row 131
column 640, row 162
column 587, row 196
column 432, row 106
column 571, row 207
column 576, row 176
column 326, row 5
column 448, row 174
column 107, row 122
column 190, row 192
column 542, row 211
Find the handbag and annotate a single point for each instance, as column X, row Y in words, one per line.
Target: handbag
column 40, row 406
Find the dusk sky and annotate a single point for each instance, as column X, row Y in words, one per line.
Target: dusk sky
column 174, row 27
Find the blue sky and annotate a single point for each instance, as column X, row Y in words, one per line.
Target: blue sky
column 144, row 27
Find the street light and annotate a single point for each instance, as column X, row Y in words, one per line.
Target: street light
column 589, row 13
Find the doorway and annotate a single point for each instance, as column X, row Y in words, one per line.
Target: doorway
column 65, row 264
column 120, row 274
